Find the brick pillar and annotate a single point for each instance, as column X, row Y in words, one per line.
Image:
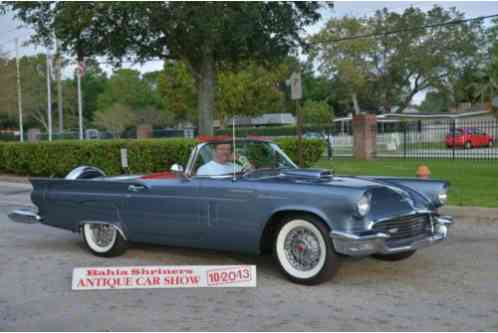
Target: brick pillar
column 34, row 134
column 364, row 136
column 144, row 131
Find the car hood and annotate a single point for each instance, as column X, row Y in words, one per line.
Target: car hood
column 388, row 195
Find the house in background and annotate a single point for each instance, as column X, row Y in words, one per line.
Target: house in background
column 463, row 114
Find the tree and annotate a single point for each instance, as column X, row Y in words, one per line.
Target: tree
column 250, row 90
column 34, row 90
column 317, row 113
column 206, row 35
column 8, row 97
column 93, row 83
column 484, row 88
column 139, row 94
column 124, row 87
column 347, row 60
column 396, row 61
column 115, row 119
column 435, row 102
column 177, row 90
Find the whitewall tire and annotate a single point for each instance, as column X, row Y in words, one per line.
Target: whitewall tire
column 304, row 250
column 103, row 239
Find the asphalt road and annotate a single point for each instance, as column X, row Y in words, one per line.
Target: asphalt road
column 452, row 286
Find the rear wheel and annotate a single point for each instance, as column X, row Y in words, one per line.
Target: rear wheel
column 304, row 251
column 103, row 240
column 394, row 256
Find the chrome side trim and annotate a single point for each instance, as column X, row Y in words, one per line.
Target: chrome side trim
column 118, row 228
column 445, row 220
column 348, row 236
column 26, row 216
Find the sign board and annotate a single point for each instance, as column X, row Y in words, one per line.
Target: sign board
column 296, row 86
column 124, row 158
column 143, row 277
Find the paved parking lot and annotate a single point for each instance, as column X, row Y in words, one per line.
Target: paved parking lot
column 453, row 286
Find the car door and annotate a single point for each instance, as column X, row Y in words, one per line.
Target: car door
column 164, row 211
column 230, row 212
column 475, row 137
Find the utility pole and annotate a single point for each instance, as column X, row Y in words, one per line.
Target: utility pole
column 80, row 107
column 297, row 94
column 49, row 99
column 60, row 105
column 19, row 96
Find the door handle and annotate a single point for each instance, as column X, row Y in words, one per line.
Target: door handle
column 136, row 188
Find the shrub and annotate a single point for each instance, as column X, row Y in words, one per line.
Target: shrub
column 312, row 150
column 60, row 157
column 56, row 159
column 270, row 131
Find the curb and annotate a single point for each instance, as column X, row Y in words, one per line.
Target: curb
column 471, row 214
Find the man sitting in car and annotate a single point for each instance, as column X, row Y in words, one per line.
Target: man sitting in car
column 221, row 163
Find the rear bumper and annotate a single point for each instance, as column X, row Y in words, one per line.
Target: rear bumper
column 26, row 216
column 355, row 245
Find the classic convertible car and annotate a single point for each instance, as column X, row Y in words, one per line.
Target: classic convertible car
column 254, row 200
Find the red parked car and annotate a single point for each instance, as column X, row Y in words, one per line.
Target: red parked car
column 469, row 138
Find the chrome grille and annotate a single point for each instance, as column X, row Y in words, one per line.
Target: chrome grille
column 405, row 228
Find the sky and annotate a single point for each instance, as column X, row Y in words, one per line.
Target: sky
column 8, row 31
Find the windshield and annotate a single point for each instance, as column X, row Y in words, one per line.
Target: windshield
column 221, row 159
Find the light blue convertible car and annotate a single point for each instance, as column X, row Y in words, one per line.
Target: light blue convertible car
column 249, row 199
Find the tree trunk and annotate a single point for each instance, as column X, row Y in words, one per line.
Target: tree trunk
column 354, row 97
column 206, row 92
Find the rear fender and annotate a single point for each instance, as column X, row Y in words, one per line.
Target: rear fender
column 118, row 225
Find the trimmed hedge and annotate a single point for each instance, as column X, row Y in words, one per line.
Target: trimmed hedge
column 56, row 159
column 271, row 131
column 59, row 157
column 312, row 150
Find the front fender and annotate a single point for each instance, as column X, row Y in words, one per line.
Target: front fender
column 303, row 209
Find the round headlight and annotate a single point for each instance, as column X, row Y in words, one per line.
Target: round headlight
column 443, row 196
column 363, row 205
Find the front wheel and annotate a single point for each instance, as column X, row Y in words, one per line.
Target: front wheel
column 103, row 240
column 468, row 145
column 304, row 251
column 394, row 256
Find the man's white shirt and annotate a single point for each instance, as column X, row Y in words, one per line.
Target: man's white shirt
column 214, row 168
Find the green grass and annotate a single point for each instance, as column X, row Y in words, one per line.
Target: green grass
column 472, row 183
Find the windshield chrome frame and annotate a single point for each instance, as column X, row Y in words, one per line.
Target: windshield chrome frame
column 195, row 154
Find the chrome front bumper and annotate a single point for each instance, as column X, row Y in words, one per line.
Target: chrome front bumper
column 26, row 216
column 355, row 245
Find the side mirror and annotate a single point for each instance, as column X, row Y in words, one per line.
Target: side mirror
column 177, row 168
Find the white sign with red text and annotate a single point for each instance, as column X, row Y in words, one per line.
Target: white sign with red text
column 129, row 277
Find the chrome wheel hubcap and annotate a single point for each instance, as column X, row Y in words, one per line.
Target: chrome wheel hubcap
column 302, row 249
column 102, row 234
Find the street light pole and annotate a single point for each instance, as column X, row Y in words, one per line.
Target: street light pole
column 80, row 108
column 58, row 72
column 19, row 95
column 49, row 99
